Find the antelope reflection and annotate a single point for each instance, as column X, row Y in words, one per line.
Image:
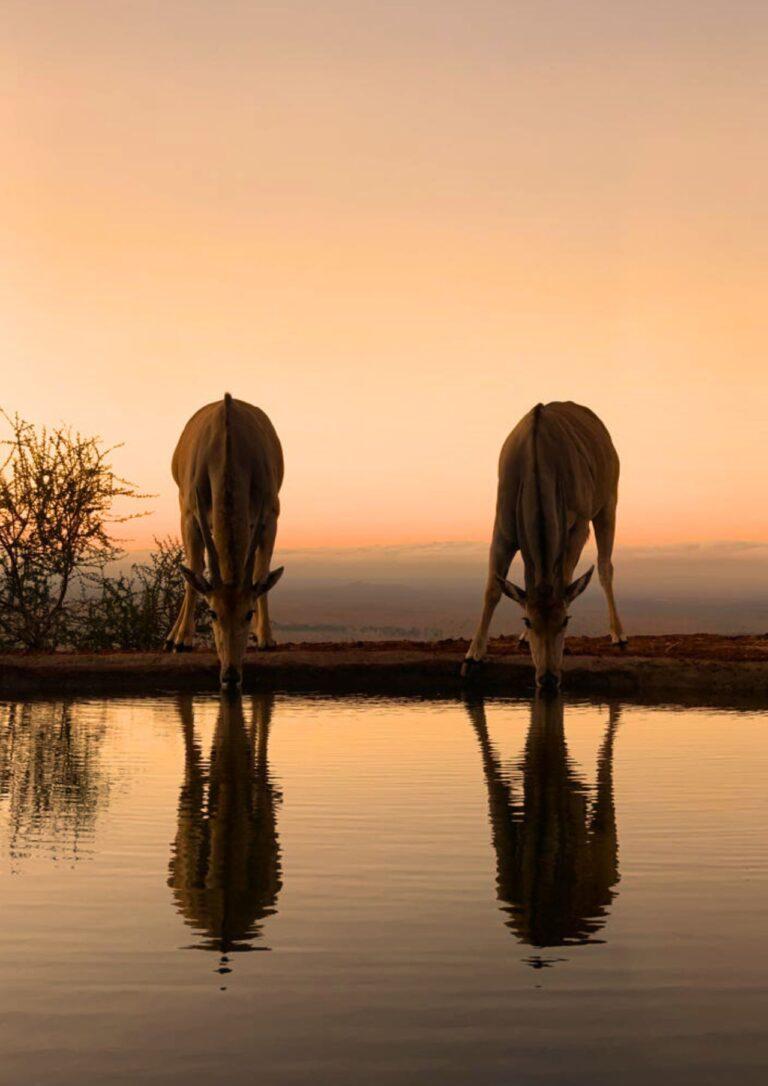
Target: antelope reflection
column 556, row 847
column 225, row 867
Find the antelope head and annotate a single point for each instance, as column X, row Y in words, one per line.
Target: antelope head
column 231, row 605
column 545, row 614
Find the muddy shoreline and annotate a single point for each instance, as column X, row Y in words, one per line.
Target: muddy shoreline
column 688, row 669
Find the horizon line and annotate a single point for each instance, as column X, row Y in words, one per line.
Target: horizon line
column 685, row 545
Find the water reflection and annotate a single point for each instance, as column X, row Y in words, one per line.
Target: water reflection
column 555, row 838
column 51, row 779
column 225, row 867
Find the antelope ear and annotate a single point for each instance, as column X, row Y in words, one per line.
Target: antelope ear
column 194, row 580
column 513, row 591
column 577, row 587
column 262, row 587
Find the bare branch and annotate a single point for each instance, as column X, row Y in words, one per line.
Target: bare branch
column 57, row 489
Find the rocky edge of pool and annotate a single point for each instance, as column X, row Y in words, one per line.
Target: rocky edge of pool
column 687, row 666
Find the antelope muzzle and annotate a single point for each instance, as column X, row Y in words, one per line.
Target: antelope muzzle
column 231, row 678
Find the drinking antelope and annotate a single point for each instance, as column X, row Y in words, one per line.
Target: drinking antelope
column 558, row 470
column 228, row 466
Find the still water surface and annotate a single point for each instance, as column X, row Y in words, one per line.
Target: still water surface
column 288, row 890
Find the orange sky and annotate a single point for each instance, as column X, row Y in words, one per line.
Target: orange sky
column 395, row 227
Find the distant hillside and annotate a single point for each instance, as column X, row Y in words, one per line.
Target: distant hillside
column 434, row 591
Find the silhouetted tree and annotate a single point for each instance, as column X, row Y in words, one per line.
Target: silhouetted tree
column 56, row 494
column 132, row 611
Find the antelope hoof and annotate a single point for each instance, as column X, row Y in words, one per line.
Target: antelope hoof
column 181, row 647
column 267, row 646
column 470, row 667
column 620, row 642
column 168, row 647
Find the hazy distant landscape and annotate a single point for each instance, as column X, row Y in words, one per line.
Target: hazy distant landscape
column 434, row 591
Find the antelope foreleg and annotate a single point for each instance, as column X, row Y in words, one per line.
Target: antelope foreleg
column 605, row 529
column 500, row 558
column 180, row 637
column 261, row 625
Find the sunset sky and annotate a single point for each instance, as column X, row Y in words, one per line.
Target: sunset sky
column 395, row 227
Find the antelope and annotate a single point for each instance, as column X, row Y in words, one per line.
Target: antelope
column 558, row 470
column 228, row 466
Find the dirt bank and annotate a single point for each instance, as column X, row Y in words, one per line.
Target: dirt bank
column 690, row 668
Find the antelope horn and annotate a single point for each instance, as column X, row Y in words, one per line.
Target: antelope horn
column 210, row 546
column 251, row 557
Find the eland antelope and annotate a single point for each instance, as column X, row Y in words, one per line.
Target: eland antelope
column 228, row 466
column 558, row 470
